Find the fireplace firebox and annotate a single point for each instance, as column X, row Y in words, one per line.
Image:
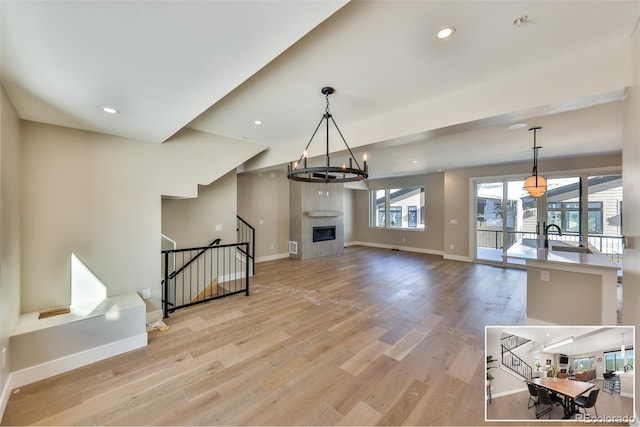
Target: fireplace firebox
column 320, row 234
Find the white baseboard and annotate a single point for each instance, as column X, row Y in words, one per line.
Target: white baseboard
column 396, row 247
column 73, row 361
column 506, row 393
column 271, row 257
column 4, row 397
column 457, row 258
column 153, row 316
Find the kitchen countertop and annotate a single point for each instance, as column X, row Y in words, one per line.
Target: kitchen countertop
column 549, row 255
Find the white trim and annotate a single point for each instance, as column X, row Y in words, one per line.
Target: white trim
column 400, row 248
column 457, row 258
column 506, row 393
column 271, row 257
column 623, row 394
column 175, row 244
column 73, row 361
column 6, row 393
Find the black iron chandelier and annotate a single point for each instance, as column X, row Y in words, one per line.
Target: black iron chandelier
column 299, row 171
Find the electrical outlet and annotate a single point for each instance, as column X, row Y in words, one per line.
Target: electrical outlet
column 544, row 276
column 272, row 247
column 218, row 227
column 451, row 246
column 146, row 293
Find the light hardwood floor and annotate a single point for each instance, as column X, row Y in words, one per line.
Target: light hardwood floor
column 369, row 337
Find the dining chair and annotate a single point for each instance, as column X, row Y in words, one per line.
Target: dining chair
column 585, row 402
column 545, row 399
column 533, row 396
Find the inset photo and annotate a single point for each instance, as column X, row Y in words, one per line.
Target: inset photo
column 579, row 373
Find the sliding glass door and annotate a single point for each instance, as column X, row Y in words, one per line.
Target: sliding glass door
column 490, row 221
column 510, row 224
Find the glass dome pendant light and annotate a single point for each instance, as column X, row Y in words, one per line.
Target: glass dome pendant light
column 536, row 185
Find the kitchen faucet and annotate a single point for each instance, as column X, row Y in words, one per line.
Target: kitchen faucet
column 627, row 367
column 546, row 232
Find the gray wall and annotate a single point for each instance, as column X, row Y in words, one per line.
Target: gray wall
column 191, row 222
column 631, row 185
column 430, row 240
column 263, row 201
column 99, row 196
column 9, row 232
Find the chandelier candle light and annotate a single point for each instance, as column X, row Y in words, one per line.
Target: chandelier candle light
column 299, row 171
column 535, row 185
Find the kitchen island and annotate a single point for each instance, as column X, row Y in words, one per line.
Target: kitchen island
column 570, row 285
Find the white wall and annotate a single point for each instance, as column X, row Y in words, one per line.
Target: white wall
column 99, row 196
column 631, row 188
column 503, row 383
column 9, row 232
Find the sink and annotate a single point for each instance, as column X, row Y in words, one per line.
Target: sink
column 531, row 243
column 564, row 247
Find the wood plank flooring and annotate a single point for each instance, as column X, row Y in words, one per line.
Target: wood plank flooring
column 368, row 337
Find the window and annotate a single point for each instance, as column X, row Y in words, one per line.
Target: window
column 566, row 215
column 403, row 207
column 584, row 363
column 613, row 360
column 395, row 216
column 412, row 216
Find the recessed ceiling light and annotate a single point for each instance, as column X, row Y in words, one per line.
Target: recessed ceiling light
column 110, row 110
column 414, row 161
column 520, row 20
column 517, row 126
column 257, row 122
column 446, row 32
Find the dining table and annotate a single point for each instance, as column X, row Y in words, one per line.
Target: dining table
column 568, row 389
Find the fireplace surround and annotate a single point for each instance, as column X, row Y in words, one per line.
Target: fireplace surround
column 316, row 223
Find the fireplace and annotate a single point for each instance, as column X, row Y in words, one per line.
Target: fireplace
column 320, row 234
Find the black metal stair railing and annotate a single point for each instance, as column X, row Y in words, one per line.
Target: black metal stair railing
column 246, row 233
column 512, row 362
column 195, row 257
column 203, row 274
column 513, row 341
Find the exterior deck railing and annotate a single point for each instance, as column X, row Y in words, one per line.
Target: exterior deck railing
column 611, row 246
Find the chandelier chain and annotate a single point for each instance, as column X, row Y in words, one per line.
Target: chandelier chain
column 326, row 110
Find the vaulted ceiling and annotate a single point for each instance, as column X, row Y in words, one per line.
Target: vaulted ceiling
column 414, row 103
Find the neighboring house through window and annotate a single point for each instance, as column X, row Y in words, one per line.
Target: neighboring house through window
column 404, row 208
